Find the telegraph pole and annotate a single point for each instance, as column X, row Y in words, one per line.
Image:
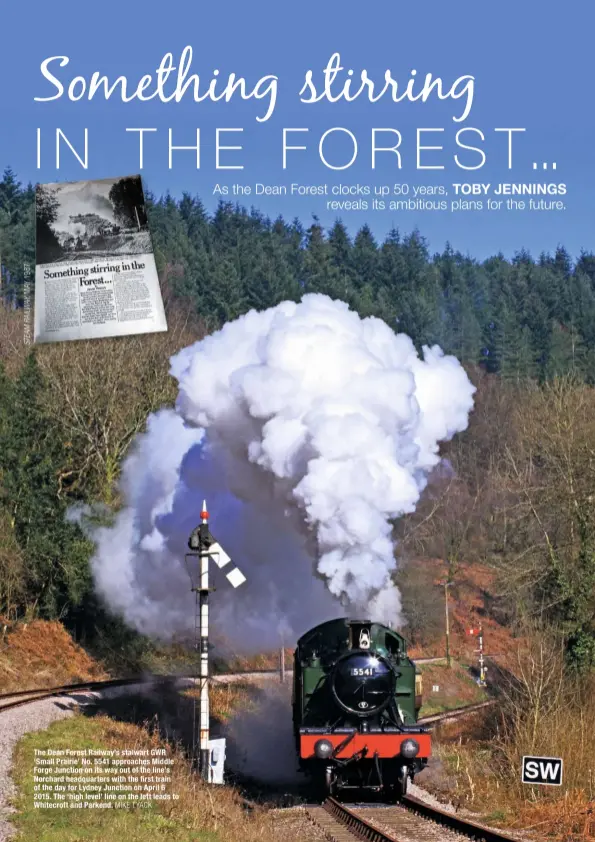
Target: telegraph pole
column 446, row 587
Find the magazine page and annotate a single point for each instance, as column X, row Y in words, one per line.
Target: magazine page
column 95, row 272
column 297, row 422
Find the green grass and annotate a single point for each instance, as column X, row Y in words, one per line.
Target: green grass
column 496, row 816
column 457, row 688
column 130, row 823
column 433, row 707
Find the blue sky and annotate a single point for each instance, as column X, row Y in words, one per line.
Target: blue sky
column 531, row 63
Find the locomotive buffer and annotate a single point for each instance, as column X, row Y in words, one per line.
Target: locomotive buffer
column 205, row 548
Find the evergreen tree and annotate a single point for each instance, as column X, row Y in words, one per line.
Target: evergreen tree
column 340, row 250
column 517, row 360
column 226, row 299
column 34, row 476
column 567, row 353
column 409, row 287
column 320, row 273
column 530, row 317
column 364, row 259
column 391, row 274
column 586, row 265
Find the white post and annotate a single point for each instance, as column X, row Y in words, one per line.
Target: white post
column 204, row 655
column 204, row 664
column 202, row 541
column 481, row 662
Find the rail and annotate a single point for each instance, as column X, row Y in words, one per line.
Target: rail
column 360, row 827
column 15, row 698
column 392, row 824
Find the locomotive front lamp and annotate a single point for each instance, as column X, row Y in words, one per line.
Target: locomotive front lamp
column 409, row 749
column 323, row 749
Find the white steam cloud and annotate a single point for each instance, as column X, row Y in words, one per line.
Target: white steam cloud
column 308, row 430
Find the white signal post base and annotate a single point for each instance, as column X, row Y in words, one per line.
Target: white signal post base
column 217, row 760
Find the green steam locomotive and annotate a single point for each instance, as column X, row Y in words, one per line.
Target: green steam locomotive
column 356, row 699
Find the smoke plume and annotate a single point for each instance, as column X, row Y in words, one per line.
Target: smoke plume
column 308, row 430
column 260, row 740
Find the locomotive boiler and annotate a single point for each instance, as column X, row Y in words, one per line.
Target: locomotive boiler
column 356, row 699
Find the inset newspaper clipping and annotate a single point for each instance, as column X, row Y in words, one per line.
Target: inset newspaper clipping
column 95, row 273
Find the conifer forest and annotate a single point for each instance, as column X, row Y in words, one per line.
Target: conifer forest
column 519, row 498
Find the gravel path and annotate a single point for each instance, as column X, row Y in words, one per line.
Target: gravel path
column 13, row 725
column 36, row 716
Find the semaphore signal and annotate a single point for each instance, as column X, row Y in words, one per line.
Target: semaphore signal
column 205, row 549
column 478, row 632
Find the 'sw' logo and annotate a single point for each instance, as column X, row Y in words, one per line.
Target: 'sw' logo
column 542, row 770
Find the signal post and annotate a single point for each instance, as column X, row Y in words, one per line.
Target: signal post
column 204, row 548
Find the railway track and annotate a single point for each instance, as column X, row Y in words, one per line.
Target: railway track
column 410, row 821
column 17, row 698
column 456, row 713
column 23, row 697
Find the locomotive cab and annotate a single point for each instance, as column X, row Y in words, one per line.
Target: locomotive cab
column 356, row 698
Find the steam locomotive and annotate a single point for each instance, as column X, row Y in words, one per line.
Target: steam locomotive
column 356, row 698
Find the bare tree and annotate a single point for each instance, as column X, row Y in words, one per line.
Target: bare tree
column 534, row 690
column 447, row 525
column 101, row 393
column 543, row 523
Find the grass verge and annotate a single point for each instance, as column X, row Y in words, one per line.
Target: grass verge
column 456, row 688
column 477, row 762
column 201, row 814
column 43, row 654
